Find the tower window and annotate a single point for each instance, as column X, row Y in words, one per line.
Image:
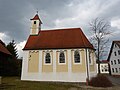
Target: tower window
column 34, row 22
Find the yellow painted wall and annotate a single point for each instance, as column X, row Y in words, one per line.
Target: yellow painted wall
column 61, row 67
column 33, row 61
column 92, row 66
column 34, row 26
column 45, row 67
column 79, row 67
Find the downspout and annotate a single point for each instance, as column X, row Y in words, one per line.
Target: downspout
column 87, row 66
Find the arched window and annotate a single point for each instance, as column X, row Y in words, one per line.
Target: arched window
column 77, row 57
column 62, row 57
column 90, row 57
column 47, row 58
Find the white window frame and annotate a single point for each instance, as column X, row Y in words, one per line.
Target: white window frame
column 64, row 51
column 45, row 52
column 74, row 56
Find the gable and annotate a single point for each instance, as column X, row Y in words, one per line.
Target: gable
column 3, row 48
column 115, row 44
column 58, row 39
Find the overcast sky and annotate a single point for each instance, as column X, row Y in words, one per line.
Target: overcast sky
column 15, row 16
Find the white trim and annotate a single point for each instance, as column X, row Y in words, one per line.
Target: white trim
column 54, row 61
column 90, row 55
column 40, row 61
column 88, row 66
column 69, row 61
column 51, row 57
column 79, row 50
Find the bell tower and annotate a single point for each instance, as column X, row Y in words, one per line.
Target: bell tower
column 35, row 25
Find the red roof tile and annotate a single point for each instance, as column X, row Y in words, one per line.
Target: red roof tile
column 3, row 48
column 58, row 39
column 104, row 61
column 36, row 17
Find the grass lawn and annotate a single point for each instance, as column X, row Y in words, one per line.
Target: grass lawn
column 14, row 83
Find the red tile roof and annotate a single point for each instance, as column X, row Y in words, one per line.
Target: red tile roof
column 3, row 48
column 104, row 61
column 36, row 17
column 58, row 39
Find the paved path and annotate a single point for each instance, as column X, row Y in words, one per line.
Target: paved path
column 114, row 80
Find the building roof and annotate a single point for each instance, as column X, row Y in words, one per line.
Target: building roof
column 104, row 61
column 36, row 17
column 3, row 48
column 58, row 39
column 114, row 42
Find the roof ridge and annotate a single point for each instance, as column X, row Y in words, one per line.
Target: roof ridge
column 60, row 29
column 82, row 38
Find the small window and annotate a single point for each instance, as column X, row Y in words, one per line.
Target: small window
column 116, row 70
column 113, row 69
column 115, row 61
column 62, row 57
column 47, row 58
column 111, row 62
column 118, row 61
column 115, row 53
column 29, row 56
column 76, row 57
column 106, row 70
column 118, row 52
column 34, row 22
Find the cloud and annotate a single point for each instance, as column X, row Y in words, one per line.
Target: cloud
column 116, row 23
column 16, row 14
column 2, row 36
column 19, row 47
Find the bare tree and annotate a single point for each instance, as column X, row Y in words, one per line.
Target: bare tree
column 100, row 31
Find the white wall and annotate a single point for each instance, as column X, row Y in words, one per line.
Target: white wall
column 103, row 68
column 112, row 58
column 53, row 76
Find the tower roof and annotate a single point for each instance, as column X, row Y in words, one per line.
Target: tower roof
column 36, row 17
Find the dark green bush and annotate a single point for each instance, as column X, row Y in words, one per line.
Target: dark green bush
column 100, row 81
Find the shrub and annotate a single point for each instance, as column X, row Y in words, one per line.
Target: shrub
column 100, row 81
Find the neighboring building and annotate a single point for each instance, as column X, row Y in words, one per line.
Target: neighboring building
column 103, row 67
column 114, row 58
column 63, row 55
column 4, row 56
